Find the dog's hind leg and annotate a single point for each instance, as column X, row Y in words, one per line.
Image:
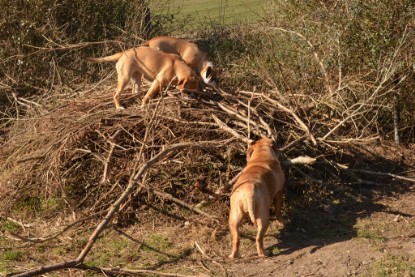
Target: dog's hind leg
column 278, row 206
column 262, row 229
column 136, row 82
column 122, row 83
column 235, row 220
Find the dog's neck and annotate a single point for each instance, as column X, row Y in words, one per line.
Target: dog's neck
column 263, row 154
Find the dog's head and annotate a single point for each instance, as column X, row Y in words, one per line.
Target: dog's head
column 208, row 74
column 190, row 83
column 262, row 143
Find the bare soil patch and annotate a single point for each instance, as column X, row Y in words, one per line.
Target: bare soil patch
column 379, row 244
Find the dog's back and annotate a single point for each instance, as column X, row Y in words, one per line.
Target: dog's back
column 260, row 178
column 188, row 51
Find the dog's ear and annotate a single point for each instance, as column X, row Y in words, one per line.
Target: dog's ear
column 208, row 74
column 250, row 150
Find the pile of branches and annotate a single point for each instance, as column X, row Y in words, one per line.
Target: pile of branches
column 183, row 149
column 82, row 150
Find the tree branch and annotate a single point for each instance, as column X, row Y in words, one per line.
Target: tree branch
column 78, row 262
column 294, row 115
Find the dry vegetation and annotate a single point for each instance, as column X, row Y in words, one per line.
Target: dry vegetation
column 326, row 84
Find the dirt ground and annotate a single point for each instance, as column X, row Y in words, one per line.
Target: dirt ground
column 371, row 239
column 381, row 243
column 367, row 230
column 360, row 230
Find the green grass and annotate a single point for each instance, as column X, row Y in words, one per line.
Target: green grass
column 113, row 250
column 11, row 255
column 10, row 226
column 369, row 230
column 216, row 11
column 393, row 266
column 369, row 235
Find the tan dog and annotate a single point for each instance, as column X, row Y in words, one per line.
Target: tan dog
column 161, row 67
column 189, row 52
column 260, row 184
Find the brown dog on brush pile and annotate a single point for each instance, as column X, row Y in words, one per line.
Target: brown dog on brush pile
column 189, row 52
column 162, row 68
column 260, row 184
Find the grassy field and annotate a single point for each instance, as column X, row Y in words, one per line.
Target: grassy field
column 217, row 11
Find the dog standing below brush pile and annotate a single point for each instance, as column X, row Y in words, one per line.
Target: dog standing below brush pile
column 260, row 184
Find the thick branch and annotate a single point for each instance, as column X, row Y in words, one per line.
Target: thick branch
column 131, row 185
column 394, row 176
column 299, row 160
column 78, row 262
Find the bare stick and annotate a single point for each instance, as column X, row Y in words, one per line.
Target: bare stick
column 294, row 115
column 228, row 129
column 261, row 120
column 45, row 269
column 207, row 256
column 291, row 144
column 124, row 271
column 299, row 160
column 236, row 114
column 394, row 176
column 107, row 160
column 184, row 204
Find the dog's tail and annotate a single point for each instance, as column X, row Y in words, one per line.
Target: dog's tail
column 111, row 58
column 251, row 205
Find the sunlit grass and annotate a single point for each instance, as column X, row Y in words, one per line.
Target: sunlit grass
column 215, row 11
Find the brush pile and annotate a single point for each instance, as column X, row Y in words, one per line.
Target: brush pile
column 80, row 149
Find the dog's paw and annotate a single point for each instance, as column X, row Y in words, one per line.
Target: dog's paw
column 120, row 108
column 263, row 254
column 234, row 256
column 144, row 102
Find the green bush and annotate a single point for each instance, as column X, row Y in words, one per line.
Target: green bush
column 346, row 61
column 44, row 41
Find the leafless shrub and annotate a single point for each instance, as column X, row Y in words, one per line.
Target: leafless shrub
column 300, row 83
column 341, row 64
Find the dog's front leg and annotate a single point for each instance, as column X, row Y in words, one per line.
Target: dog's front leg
column 155, row 86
